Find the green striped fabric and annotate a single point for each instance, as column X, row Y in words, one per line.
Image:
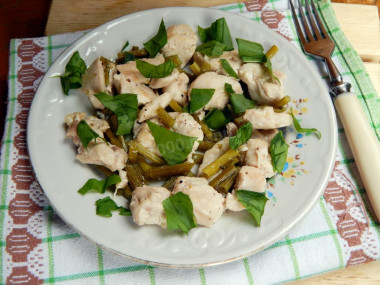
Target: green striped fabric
column 38, row 247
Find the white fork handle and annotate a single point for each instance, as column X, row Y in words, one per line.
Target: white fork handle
column 364, row 145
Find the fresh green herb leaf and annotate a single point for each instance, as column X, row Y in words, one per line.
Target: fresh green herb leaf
column 250, row 51
column 242, row 136
column 216, row 119
column 85, row 133
column 128, row 57
column 254, row 202
column 155, row 71
column 99, row 186
column 278, row 152
column 228, row 88
column 179, row 212
column 124, row 212
column 186, row 108
column 268, row 65
column 124, row 106
column 105, row 206
column 154, row 45
column 218, row 31
column 174, row 147
column 72, row 79
column 299, row 129
column 125, row 46
column 199, row 98
column 240, row 103
column 211, row 48
column 228, row 68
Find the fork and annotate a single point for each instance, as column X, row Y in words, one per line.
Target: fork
column 364, row 145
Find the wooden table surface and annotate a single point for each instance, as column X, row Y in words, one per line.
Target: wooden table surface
column 360, row 24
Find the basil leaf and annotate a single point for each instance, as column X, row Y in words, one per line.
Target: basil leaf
column 124, row 46
column 216, row 119
column 155, row 71
column 85, row 133
column 278, row 152
column 174, row 147
column 227, row 67
column 76, row 64
column 124, row 106
column 251, row 51
column 128, row 57
column 124, row 212
column 299, row 129
column 240, row 103
column 99, row 186
column 179, row 212
column 105, row 206
column 199, row 98
column 254, row 202
column 211, row 48
column 154, row 45
column 268, row 65
column 72, row 79
column 228, row 88
column 242, row 136
column 218, row 31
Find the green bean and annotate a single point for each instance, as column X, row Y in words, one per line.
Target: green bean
column 166, row 119
column 205, row 145
column 175, row 106
column 154, row 158
column 135, row 175
column 215, row 166
column 197, row 157
column 170, row 170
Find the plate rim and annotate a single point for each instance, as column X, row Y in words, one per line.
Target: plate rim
column 80, row 41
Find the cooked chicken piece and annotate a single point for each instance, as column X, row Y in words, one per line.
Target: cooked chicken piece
column 261, row 86
column 150, row 109
column 179, row 88
column 258, row 156
column 130, row 71
column 212, row 80
column 232, row 57
column 208, row 204
column 212, row 154
column 266, row 135
column 157, row 83
column 146, row 205
column 93, row 81
column 144, row 136
column 97, row 125
column 101, row 153
column 124, row 179
column 265, row 118
column 250, row 178
column 175, row 83
column 143, row 92
column 182, row 41
column 232, row 203
column 72, row 120
column 186, row 125
column 231, row 129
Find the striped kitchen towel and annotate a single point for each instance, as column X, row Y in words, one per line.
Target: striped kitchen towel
column 38, row 247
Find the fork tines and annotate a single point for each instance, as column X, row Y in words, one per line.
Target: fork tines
column 317, row 32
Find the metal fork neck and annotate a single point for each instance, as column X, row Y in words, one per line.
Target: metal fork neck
column 336, row 80
column 339, row 88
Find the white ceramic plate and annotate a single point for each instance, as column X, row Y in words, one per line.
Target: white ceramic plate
column 234, row 236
